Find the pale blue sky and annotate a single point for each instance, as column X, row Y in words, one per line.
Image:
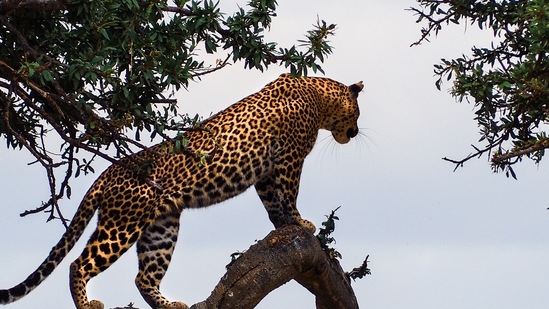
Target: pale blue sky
column 436, row 238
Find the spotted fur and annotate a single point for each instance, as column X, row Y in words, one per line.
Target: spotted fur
column 261, row 140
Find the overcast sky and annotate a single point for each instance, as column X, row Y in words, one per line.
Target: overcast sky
column 436, row 238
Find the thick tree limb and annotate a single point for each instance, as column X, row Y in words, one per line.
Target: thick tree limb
column 287, row 253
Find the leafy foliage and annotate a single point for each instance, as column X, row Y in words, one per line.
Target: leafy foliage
column 325, row 239
column 359, row 272
column 92, row 72
column 325, row 232
column 508, row 81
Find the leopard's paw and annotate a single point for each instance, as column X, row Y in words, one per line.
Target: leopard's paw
column 308, row 225
column 177, row 305
column 95, row 304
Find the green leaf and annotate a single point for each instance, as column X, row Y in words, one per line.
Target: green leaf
column 104, row 33
column 46, row 75
column 505, row 85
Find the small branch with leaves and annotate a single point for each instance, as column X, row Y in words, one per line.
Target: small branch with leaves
column 506, row 81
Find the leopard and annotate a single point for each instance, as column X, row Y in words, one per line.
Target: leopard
column 261, row 141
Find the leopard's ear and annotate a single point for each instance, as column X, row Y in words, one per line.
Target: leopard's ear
column 356, row 88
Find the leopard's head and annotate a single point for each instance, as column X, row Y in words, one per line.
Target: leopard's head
column 343, row 113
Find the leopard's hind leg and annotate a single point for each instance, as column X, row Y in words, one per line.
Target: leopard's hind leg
column 110, row 240
column 155, row 249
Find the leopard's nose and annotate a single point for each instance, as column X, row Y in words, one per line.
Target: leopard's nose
column 352, row 132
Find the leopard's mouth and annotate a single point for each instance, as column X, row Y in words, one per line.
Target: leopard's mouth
column 343, row 137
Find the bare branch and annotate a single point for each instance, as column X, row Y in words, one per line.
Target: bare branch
column 434, row 24
column 477, row 154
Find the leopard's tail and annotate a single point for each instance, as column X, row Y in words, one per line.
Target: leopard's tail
column 81, row 219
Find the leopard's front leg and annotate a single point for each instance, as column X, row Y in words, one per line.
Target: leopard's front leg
column 279, row 191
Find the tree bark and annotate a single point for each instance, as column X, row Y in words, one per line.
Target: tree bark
column 287, row 253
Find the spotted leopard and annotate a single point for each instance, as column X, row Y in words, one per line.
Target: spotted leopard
column 262, row 140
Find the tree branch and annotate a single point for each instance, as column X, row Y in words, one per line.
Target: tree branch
column 286, row 253
column 502, row 158
column 477, row 154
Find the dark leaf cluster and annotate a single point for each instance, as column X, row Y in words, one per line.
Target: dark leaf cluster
column 507, row 81
column 361, row 271
column 325, row 232
column 325, row 239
